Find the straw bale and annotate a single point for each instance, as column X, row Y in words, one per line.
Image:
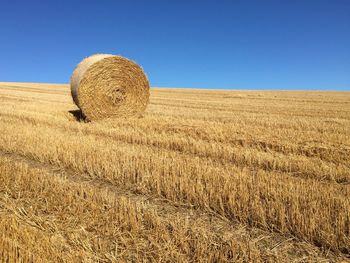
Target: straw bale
column 105, row 85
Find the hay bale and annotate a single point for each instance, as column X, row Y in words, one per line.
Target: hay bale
column 104, row 86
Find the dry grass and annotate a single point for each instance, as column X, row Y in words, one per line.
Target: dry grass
column 204, row 176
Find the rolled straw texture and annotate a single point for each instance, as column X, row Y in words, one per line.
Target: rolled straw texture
column 104, row 86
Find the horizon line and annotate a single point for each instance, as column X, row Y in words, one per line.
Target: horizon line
column 204, row 88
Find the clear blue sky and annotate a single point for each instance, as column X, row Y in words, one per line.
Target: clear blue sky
column 261, row 44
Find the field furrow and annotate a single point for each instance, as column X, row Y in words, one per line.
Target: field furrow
column 270, row 200
column 59, row 223
column 239, row 155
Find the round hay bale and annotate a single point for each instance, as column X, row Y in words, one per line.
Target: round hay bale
column 105, row 85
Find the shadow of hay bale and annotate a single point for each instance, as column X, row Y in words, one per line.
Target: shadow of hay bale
column 78, row 115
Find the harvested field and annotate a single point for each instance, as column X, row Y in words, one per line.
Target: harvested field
column 218, row 176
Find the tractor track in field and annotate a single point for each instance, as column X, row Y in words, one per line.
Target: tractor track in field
column 236, row 158
column 169, row 210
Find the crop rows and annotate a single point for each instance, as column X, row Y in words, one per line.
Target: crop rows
column 203, row 175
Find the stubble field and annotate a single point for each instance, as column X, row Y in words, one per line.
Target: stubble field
column 203, row 176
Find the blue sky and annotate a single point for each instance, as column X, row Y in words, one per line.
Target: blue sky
column 261, row 44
